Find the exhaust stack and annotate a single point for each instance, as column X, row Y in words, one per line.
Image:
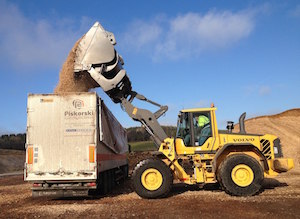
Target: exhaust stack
column 242, row 123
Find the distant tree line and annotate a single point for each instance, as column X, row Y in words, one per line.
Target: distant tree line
column 139, row 134
column 13, row 141
column 134, row 134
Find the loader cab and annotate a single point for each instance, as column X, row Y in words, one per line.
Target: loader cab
column 196, row 129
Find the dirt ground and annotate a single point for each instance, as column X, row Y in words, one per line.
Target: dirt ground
column 279, row 199
column 11, row 160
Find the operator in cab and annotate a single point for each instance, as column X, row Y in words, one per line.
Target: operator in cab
column 204, row 125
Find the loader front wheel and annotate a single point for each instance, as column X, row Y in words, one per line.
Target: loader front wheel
column 152, row 178
column 240, row 175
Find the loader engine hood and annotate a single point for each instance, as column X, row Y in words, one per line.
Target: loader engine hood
column 96, row 55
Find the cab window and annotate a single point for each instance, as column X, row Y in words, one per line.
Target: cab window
column 202, row 127
column 183, row 128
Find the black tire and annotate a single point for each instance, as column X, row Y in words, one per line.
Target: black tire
column 164, row 187
column 110, row 180
column 105, row 182
column 226, row 181
column 125, row 170
column 100, row 184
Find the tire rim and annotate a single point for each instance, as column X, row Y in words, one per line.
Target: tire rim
column 152, row 179
column 242, row 175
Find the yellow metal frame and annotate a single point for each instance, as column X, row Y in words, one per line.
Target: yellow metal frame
column 194, row 110
column 242, row 175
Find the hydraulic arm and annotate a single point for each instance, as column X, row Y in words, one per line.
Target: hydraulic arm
column 147, row 118
column 97, row 56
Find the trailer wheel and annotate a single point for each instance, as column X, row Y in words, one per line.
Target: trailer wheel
column 125, row 172
column 105, row 178
column 240, row 175
column 152, row 178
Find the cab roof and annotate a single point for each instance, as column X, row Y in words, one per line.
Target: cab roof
column 198, row 110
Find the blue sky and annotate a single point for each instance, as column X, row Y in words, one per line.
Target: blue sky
column 241, row 55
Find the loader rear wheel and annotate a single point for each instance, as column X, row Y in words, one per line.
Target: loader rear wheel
column 152, row 178
column 240, row 175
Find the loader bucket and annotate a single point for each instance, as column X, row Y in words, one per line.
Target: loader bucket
column 95, row 47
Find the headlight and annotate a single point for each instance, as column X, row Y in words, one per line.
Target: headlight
column 275, row 150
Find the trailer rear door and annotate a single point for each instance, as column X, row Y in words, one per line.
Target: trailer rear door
column 61, row 137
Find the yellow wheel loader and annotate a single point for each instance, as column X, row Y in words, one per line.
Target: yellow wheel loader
column 200, row 153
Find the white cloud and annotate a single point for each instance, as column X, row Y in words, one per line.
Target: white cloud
column 295, row 12
column 141, row 34
column 190, row 34
column 262, row 90
column 193, row 34
column 27, row 43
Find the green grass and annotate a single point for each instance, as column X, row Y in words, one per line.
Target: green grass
column 142, row 146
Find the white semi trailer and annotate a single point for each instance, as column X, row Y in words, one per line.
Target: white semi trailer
column 74, row 144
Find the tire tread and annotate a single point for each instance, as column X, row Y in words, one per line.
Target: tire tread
column 162, row 167
column 224, row 174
